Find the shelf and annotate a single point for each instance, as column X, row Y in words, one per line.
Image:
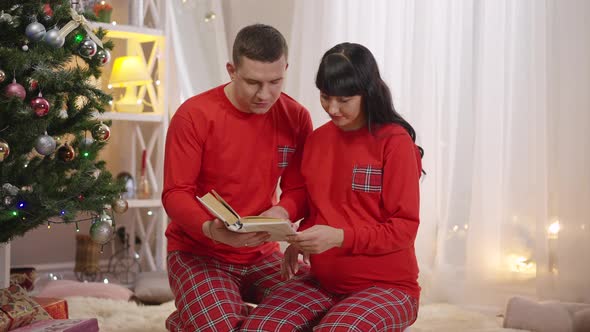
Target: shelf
column 137, row 117
column 122, row 31
column 144, row 203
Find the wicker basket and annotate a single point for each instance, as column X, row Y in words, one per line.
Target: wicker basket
column 87, row 252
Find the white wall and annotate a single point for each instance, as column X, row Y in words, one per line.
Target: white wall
column 239, row 13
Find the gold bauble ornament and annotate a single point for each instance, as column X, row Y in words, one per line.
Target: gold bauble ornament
column 4, row 150
column 120, row 205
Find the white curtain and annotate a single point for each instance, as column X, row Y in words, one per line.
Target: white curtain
column 498, row 92
column 196, row 33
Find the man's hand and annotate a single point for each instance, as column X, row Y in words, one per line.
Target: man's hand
column 216, row 231
column 317, row 239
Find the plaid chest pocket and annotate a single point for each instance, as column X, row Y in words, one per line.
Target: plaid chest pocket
column 367, row 178
column 285, row 153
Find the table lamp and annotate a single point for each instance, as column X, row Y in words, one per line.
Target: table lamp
column 129, row 72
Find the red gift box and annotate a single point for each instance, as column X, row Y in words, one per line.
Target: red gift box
column 56, row 308
column 61, row 325
column 18, row 309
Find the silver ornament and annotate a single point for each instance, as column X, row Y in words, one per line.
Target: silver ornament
column 35, row 31
column 5, row 17
column 101, row 132
column 25, row 47
column 120, row 205
column 53, row 38
column 10, row 189
column 87, row 48
column 2, row 76
column 45, row 145
column 104, row 56
column 8, row 200
column 101, row 232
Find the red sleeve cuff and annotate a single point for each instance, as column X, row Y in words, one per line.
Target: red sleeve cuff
column 290, row 206
column 348, row 241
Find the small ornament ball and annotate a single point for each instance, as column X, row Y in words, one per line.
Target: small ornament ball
column 87, row 48
column 53, row 38
column 101, row 132
column 4, row 150
column 40, row 106
column 2, row 76
column 66, row 153
column 120, row 205
column 45, row 145
column 35, row 31
column 101, row 231
column 15, row 90
column 104, row 56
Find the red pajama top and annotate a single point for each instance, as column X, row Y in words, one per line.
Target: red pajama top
column 212, row 145
column 367, row 185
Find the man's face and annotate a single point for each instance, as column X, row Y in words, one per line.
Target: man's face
column 257, row 85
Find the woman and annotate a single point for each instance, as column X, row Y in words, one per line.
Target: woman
column 361, row 172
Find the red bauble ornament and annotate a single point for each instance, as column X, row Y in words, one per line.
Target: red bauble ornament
column 47, row 10
column 15, row 90
column 33, row 84
column 66, row 153
column 40, row 105
column 81, row 197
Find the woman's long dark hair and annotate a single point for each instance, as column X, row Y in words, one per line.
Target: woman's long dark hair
column 350, row 69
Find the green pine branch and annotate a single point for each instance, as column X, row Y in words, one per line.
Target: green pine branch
column 36, row 189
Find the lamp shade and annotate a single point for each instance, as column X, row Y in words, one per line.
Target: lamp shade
column 129, row 71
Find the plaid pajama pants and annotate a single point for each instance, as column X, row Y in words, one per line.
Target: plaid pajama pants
column 210, row 295
column 302, row 305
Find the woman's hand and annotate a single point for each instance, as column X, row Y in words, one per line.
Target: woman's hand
column 317, row 239
column 216, row 231
column 290, row 265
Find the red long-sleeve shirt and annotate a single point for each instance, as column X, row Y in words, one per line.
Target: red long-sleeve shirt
column 212, row 145
column 368, row 186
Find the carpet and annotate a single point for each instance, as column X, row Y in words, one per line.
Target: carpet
column 121, row 316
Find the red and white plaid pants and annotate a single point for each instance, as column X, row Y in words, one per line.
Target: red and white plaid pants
column 302, row 305
column 210, row 295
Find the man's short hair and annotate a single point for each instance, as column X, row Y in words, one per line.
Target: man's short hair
column 259, row 42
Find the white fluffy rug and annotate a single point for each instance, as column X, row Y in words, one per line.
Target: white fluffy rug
column 120, row 316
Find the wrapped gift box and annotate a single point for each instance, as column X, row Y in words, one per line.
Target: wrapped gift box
column 62, row 325
column 56, row 308
column 18, row 309
column 24, row 277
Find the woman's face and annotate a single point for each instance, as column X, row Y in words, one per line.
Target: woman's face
column 345, row 111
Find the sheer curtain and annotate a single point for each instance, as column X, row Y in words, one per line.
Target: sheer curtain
column 498, row 92
column 199, row 48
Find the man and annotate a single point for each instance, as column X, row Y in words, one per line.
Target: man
column 238, row 139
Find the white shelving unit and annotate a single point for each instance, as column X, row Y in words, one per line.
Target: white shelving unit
column 148, row 218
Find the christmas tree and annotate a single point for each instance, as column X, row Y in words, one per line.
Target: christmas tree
column 49, row 134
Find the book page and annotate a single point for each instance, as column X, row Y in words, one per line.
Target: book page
column 261, row 219
column 226, row 204
column 278, row 230
column 218, row 209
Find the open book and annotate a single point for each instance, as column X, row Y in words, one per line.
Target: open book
column 278, row 228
